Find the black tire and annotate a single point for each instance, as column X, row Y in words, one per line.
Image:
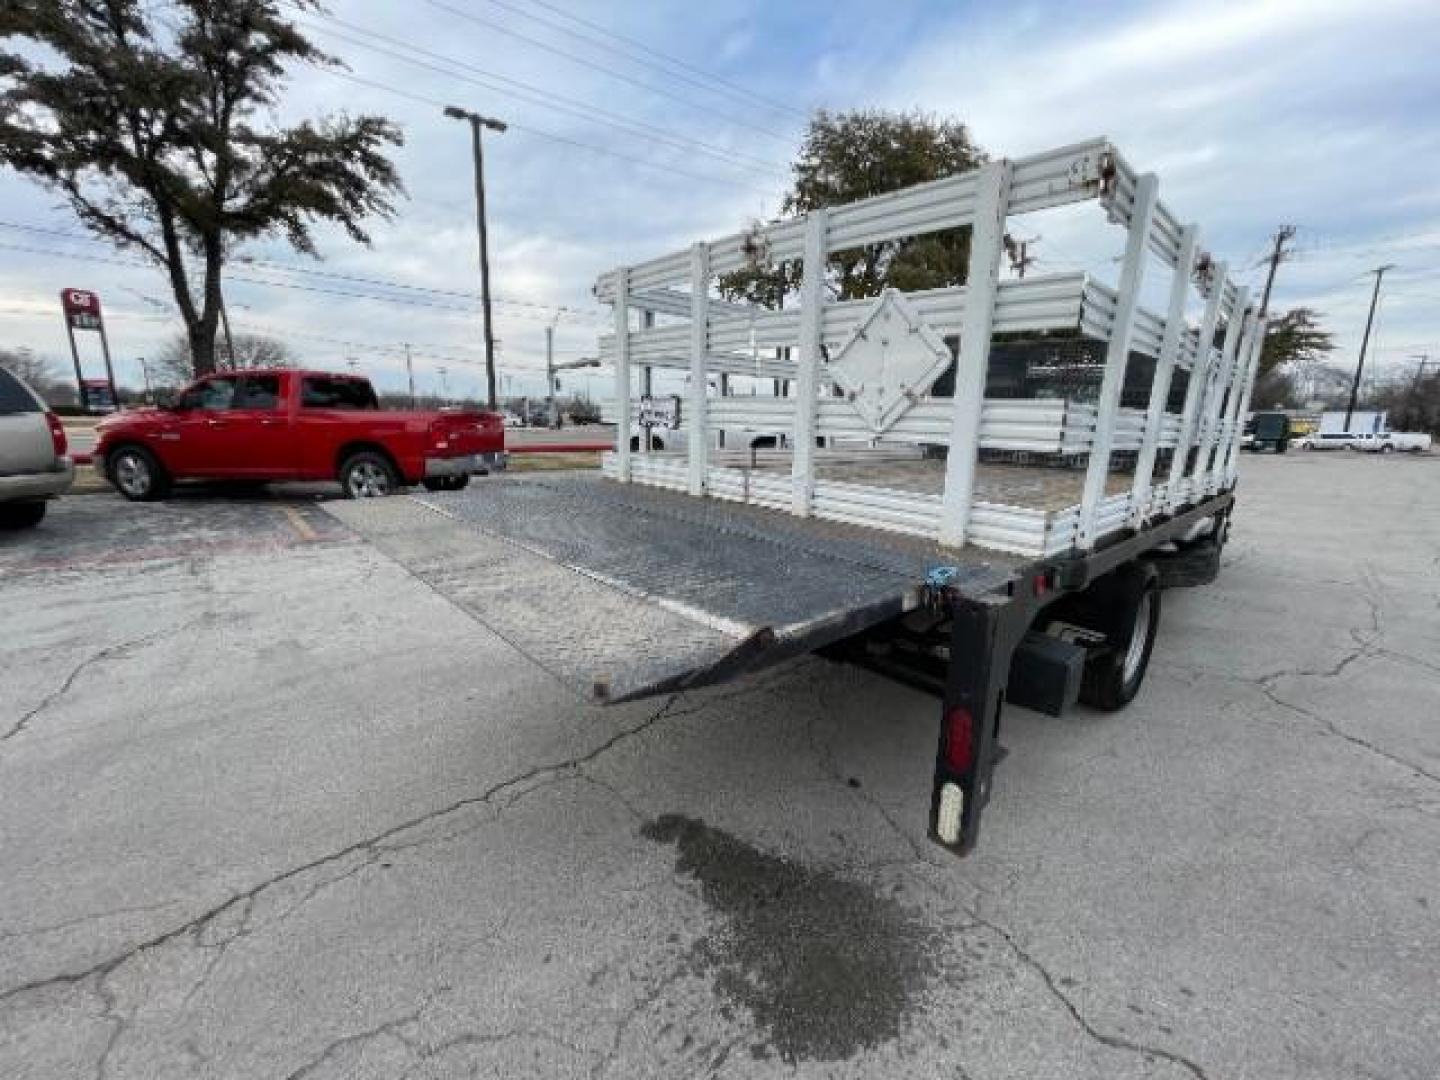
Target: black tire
column 1126, row 606
column 368, row 474
column 21, row 515
column 447, row 483
column 137, row 474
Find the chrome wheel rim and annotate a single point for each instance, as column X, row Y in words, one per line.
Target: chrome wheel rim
column 369, row 481
column 1135, row 651
column 132, row 474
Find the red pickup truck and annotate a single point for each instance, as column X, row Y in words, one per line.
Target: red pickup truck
column 293, row 425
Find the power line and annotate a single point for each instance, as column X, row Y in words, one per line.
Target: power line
column 619, row 75
column 437, row 103
column 535, row 95
column 720, row 84
column 290, row 268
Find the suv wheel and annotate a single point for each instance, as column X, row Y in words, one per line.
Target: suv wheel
column 136, row 474
column 368, row 475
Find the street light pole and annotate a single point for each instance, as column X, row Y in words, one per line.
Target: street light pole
column 1379, row 273
column 476, row 122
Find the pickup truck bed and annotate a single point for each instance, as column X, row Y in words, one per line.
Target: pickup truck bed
column 624, row 592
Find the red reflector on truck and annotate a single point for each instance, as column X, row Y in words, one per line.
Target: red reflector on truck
column 959, row 739
column 57, row 434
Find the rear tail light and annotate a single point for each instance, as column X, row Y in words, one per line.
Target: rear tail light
column 57, row 434
column 959, row 739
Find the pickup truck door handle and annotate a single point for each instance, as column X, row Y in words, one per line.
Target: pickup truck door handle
column 215, row 423
column 269, row 422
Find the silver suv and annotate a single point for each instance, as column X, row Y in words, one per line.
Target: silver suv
column 34, row 464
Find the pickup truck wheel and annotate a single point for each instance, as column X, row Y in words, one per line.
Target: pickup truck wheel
column 368, row 475
column 446, row 483
column 1129, row 604
column 137, row 475
column 21, row 515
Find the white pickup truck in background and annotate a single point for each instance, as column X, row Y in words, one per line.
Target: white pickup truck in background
column 1386, row 442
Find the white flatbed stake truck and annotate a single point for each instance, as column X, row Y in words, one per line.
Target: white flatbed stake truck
column 993, row 550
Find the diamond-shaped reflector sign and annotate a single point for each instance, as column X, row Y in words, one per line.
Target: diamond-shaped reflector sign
column 889, row 362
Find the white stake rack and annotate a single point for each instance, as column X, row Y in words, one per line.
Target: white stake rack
column 862, row 370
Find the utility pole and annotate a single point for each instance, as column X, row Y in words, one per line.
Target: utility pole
column 1379, row 273
column 476, row 122
column 1283, row 236
column 410, row 375
column 1424, row 359
column 444, row 385
column 1018, row 252
column 553, row 406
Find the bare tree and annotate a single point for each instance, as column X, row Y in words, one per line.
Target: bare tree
column 175, row 364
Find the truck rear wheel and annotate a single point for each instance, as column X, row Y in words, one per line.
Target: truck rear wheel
column 1126, row 606
column 368, row 475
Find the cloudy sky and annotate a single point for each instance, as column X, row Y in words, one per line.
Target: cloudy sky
column 637, row 127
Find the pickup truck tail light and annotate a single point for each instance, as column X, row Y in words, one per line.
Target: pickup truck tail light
column 57, row 434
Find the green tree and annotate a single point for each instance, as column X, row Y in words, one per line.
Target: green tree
column 154, row 120
column 1296, row 341
column 850, row 156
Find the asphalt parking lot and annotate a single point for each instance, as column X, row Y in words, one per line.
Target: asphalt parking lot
column 272, row 805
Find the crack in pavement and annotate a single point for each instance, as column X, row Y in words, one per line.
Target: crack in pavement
column 107, row 653
column 80, row 920
column 392, row 1027
column 371, row 845
column 1115, row 1042
column 118, row 1025
column 917, row 856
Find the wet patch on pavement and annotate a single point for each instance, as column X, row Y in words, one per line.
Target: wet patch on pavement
column 826, row 966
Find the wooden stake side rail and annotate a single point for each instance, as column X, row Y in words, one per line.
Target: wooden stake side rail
column 863, row 369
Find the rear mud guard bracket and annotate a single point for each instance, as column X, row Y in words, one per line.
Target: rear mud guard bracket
column 983, row 637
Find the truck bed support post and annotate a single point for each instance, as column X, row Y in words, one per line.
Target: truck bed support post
column 1195, row 389
column 812, row 311
column 1117, row 356
column 1237, row 404
column 980, row 651
column 1160, row 385
column 982, row 279
column 1236, row 329
column 623, row 425
column 699, row 343
column 1257, row 344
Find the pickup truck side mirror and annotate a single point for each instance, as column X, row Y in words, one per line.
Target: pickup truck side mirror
column 165, row 398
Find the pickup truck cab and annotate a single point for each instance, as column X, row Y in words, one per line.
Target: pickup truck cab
column 293, row 425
